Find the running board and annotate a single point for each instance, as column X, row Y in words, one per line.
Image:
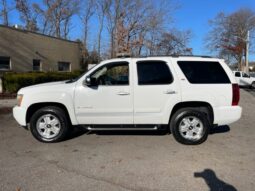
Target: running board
column 121, row 128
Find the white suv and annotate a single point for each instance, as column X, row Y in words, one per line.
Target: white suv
column 244, row 79
column 188, row 95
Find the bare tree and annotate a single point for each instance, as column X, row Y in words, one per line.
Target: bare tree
column 102, row 7
column 134, row 26
column 86, row 14
column 4, row 12
column 57, row 16
column 27, row 14
column 126, row 22
column 228, row 34
column 174, row 43
column 112, row 16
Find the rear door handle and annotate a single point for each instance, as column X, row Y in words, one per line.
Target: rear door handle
column 170, row 92
column 123, row 93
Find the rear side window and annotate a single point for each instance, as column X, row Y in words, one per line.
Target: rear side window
column 199, row 72
column 238, row 74
column 153, row 73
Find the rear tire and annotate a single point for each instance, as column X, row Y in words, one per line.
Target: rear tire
column 49, row 124
column 189, row 126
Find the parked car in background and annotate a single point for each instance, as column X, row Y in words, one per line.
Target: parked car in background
column 244, row 79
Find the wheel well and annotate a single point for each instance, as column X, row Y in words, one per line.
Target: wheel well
column 200, row 106
column 34, row 107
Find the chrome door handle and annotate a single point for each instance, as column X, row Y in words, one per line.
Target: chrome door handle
column 123, row 93
column 170, row 92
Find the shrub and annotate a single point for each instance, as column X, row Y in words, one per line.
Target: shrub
column 12, row 82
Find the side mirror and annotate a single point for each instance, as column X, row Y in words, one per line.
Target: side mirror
column 90, row 81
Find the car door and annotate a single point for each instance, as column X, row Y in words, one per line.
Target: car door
column 111, row 100
column 245, row 80
column 156, row 91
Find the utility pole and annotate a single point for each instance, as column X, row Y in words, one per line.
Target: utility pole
column 247, row 52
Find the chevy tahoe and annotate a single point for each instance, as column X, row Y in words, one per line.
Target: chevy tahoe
column 186, row 94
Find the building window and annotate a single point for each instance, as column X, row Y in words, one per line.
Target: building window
column 64, row 66
column 5, row 63
column 36, row 65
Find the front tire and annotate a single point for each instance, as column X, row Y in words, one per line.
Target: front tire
column 189, row 126
column 49, row 124
column 253, row 85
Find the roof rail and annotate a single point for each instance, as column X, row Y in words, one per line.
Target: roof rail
column 125, row 55
column 176, row 56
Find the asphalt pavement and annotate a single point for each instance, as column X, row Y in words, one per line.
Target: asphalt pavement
column 249, row 90
column 130, row 160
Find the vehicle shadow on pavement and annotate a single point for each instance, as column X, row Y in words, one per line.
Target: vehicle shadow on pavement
column 76, row 132
column 220, row 129
column 213, row 182
column 79, row 131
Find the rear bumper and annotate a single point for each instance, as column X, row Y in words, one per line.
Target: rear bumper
column 19, row 114
column 227, row 115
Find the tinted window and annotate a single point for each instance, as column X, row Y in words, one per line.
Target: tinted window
column 112, row 74
column 198, row 72
column 5, row 63
column 153, row 73
column 238, row 74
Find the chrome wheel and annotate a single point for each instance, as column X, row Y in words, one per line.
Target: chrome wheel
column 191, row 128
column 48, row 126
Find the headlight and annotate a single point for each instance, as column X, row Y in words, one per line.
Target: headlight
column 19, row 99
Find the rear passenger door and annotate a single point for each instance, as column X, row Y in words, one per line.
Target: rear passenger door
column 155, row 91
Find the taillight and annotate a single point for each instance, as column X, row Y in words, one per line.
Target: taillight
column 236, row 94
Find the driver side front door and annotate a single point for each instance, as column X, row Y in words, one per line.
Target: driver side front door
column 111, row 101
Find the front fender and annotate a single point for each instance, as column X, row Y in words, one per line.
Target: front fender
column 65, row 99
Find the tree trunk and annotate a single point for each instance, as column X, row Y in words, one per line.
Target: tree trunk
column 5, row 13
column 100, row 34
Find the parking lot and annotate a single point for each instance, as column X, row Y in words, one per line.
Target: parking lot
column 130, row 160
column 251, row 91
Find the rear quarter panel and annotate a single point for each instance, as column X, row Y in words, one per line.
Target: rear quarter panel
column 217, row 95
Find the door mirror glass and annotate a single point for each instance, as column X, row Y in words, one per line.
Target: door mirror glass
column 90, row 81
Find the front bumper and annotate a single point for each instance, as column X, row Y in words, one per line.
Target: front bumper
column 227, row 115
column 19, row 114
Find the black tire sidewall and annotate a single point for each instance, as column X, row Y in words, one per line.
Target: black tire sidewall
column 177, row 118
column 253, row 85
column 57, row 112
